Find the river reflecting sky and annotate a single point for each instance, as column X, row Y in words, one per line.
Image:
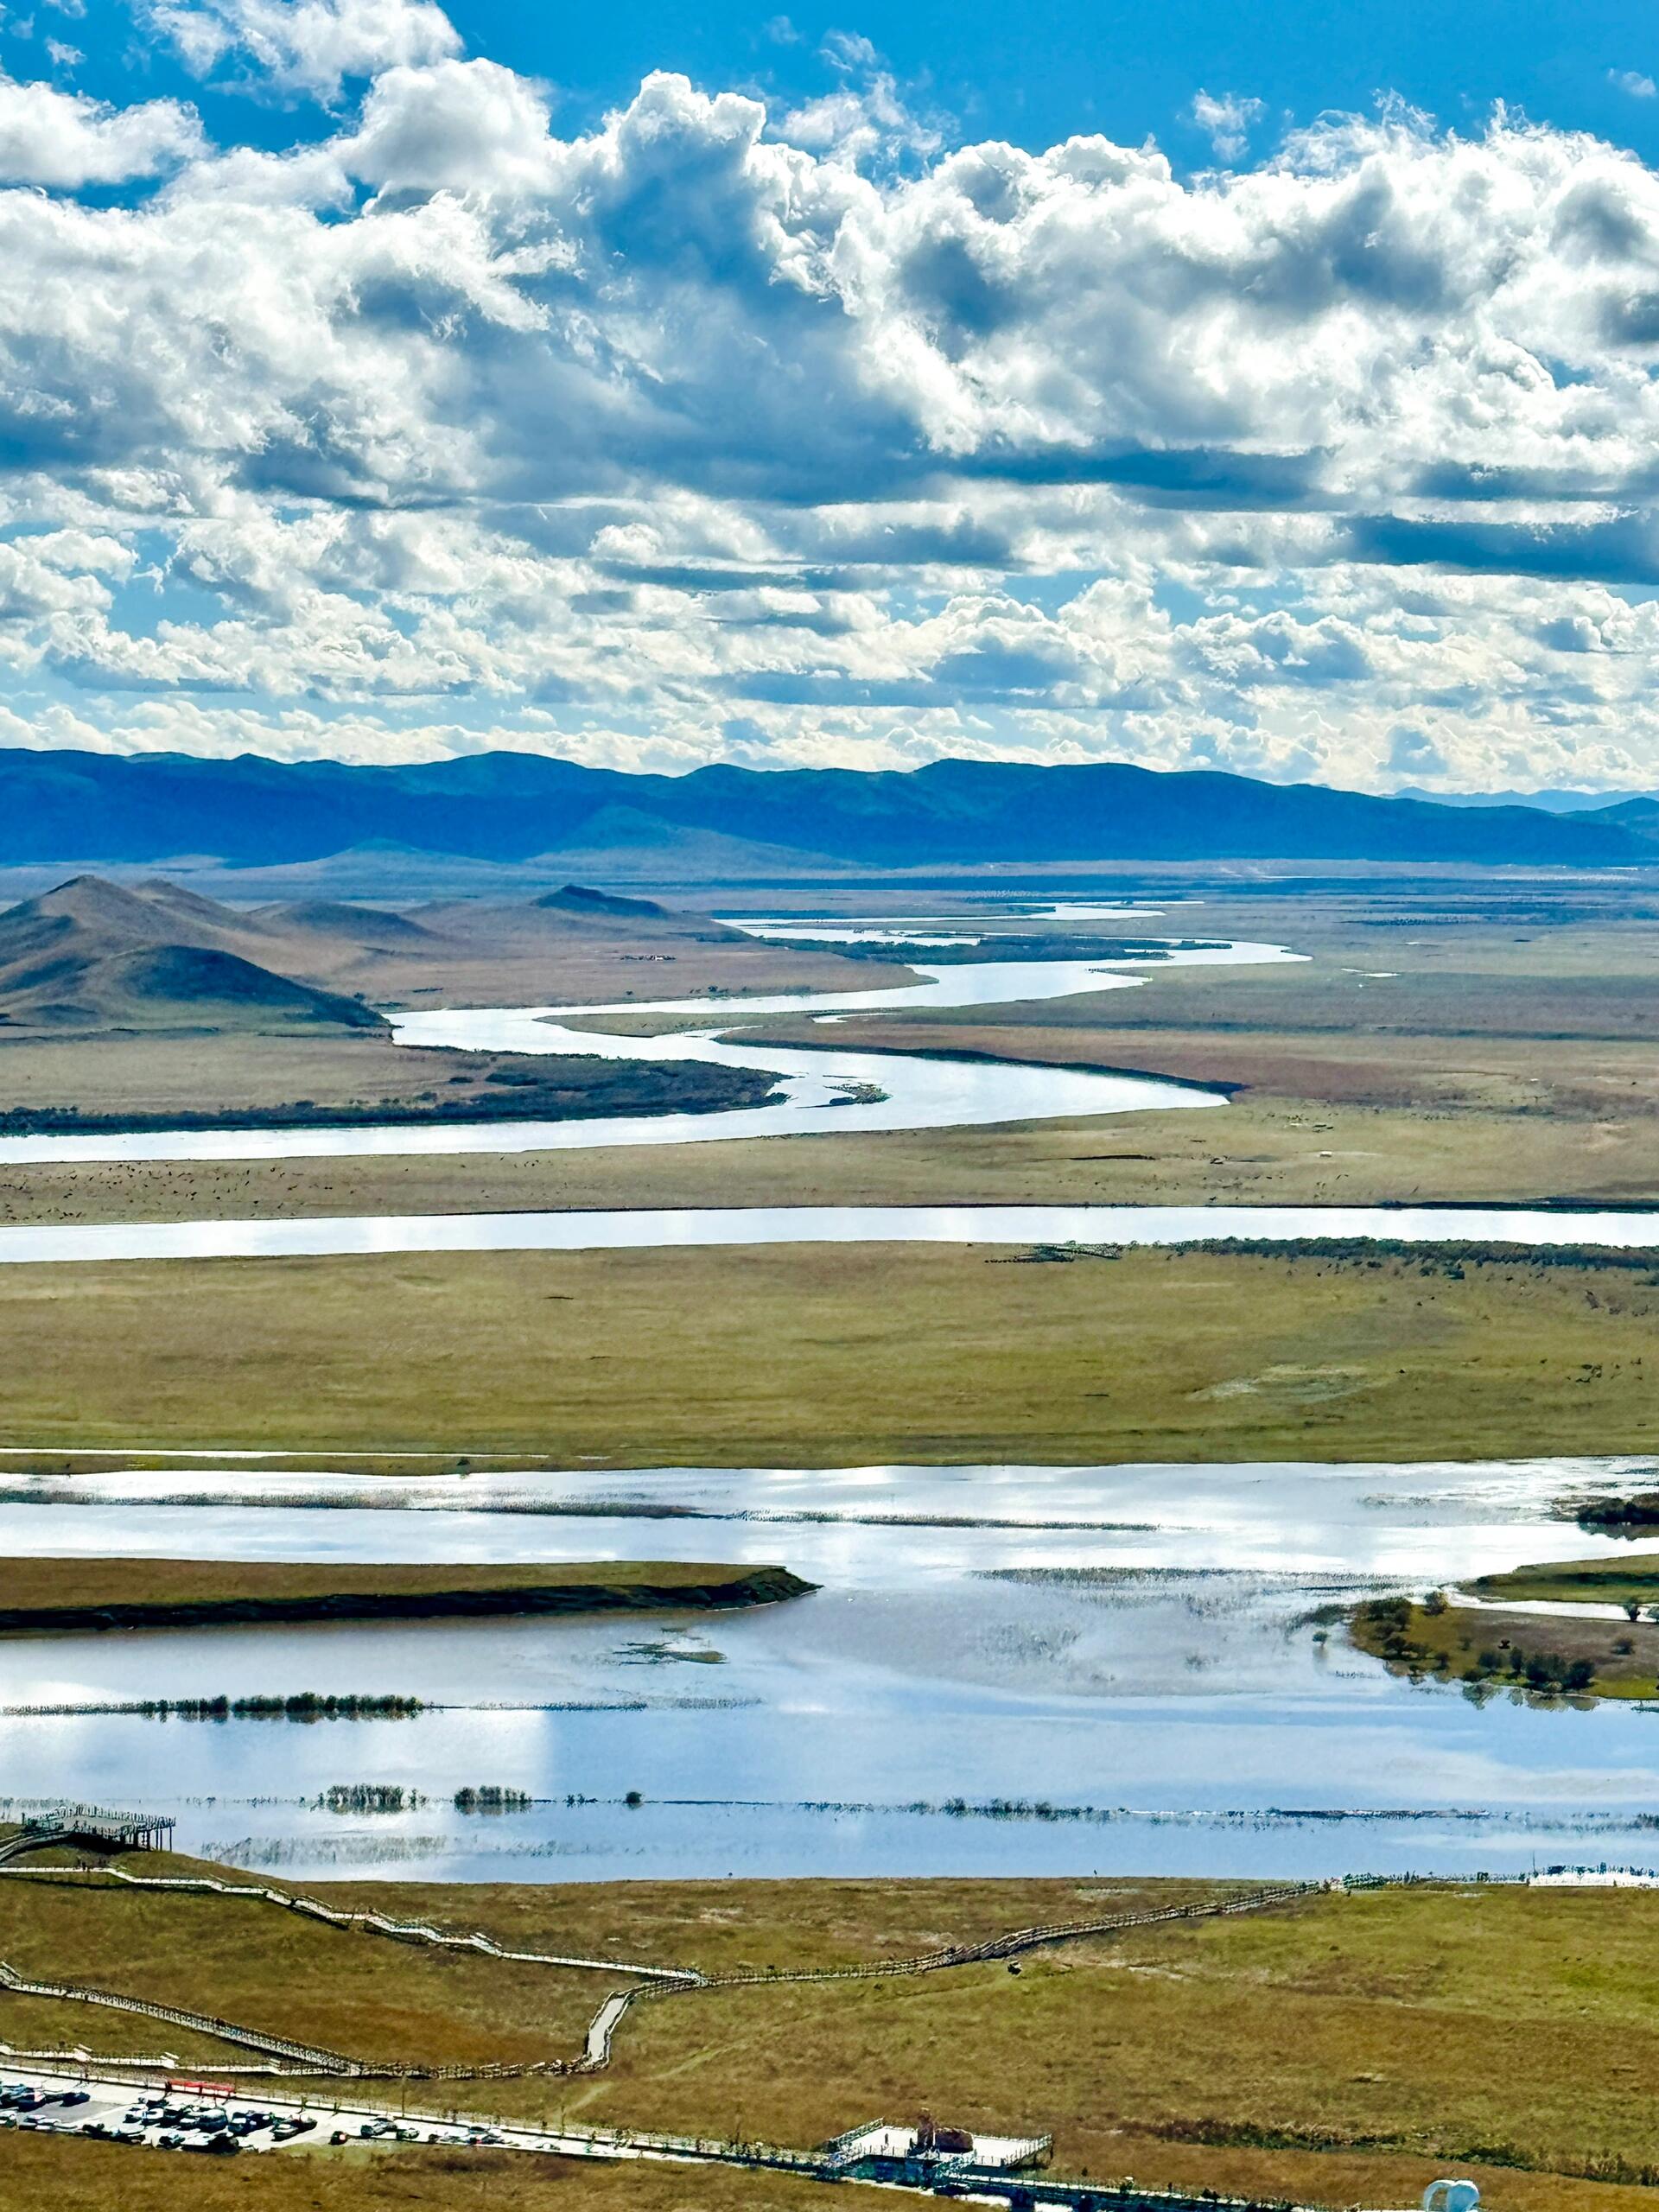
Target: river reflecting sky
column 1037, row 1669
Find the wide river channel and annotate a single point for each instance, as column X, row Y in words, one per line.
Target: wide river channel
column 1004, row 1670
column 821, row 1091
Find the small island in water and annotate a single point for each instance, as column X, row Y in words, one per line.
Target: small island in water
column 52, row 1596
column 1599, row 1639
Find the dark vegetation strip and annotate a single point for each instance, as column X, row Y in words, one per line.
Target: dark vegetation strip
column 258, row 1592
column 626, row 1087
column 1450, row 1256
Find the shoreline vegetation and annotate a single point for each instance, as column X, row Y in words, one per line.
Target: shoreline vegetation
column 1000, row 944
column 1580, row 1657
column 299, row 1705
column 1636, row 1514
column 57, row 1596
column 565, row 1089
column 1630, row 1580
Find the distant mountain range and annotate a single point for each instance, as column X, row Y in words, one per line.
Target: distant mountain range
column 725, row 823
column 1608, row 805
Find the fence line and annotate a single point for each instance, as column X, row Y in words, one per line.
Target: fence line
column 649, row 1982
column 402, row 1931
column 326, row 2061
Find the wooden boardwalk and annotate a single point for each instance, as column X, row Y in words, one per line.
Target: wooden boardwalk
column 88, row 1828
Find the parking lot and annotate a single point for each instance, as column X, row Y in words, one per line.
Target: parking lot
column 214, row 2119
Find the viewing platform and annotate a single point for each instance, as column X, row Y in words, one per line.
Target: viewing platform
column 91, row 1825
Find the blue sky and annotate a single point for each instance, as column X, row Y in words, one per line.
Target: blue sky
column 1030, row 74
column 1268, row 387
column 1033, row 74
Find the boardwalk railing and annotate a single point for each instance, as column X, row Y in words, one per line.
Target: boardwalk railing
column 88, row 1826
column 654, row 1982
column 325, row 2061
column 1018, row 1941
column 379, row 1923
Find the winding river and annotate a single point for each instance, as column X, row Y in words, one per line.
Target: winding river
column 1006, row 1669
column 823, row 1090
column 658, row 1229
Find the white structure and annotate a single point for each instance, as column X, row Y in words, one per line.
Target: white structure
column 937, row 2146
column 1594, row 1877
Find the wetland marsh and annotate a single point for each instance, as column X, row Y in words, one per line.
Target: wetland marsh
column 1053, row 1670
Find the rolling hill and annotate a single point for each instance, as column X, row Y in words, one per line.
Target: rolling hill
column 92, row 954
column 725, row 823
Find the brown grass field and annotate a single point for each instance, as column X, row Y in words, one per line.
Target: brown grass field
column 39, row 2175
column 827, row 1355
column 1258, row 1150
column 1344, row 2051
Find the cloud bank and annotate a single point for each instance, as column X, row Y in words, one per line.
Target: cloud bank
column 811, row 436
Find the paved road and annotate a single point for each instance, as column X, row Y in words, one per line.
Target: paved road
column 111, row 2092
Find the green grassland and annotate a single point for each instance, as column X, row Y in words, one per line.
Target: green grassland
column 261, row 1966
column 834, row 1355
column 1337, row 2052
column 1621, row 1579
column 1346, row 2051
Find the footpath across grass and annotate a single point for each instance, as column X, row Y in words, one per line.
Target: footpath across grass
column 1345, row 2051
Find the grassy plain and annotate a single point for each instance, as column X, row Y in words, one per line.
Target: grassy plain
column 43, row 2176
column 834, row 1354
column 266, row 1968
column 1257, row 1151
column 161, row 1081
column 1337, row 2052
column 1621, row 1579
column 1346, row 2051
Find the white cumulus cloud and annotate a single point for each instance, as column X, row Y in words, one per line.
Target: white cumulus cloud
column 715, row 430
column 310, row 47
column 65, row 140
column 1226, row 119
